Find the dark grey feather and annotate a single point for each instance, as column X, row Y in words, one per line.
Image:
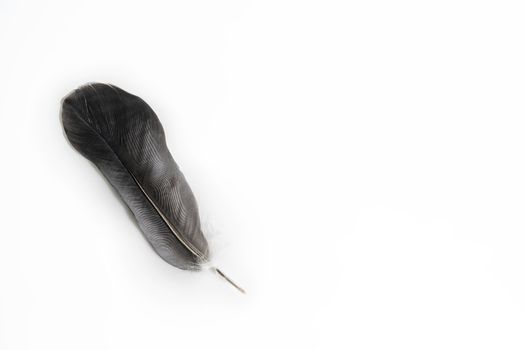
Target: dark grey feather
column 123, row 137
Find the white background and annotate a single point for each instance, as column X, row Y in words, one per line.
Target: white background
column 358, row 164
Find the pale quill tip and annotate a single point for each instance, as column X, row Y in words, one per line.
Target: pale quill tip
column 221, row 274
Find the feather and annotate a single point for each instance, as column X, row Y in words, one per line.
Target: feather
column 124, row 138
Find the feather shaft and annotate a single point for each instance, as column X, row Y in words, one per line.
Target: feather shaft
column 229, row 280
